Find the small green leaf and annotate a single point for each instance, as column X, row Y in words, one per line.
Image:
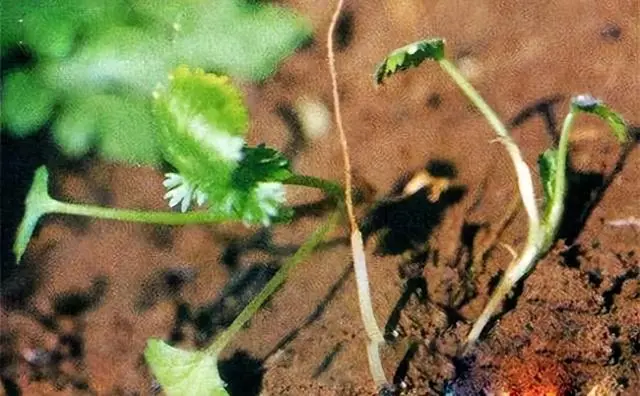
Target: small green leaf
column 589, row 104
column 260, row 164
column 548, row 166
column 184, row 373
column 37, row 204
column 409, row 56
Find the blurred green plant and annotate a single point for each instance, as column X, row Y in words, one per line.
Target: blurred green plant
column 95, row 63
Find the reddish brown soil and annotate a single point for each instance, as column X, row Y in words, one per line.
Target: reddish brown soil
column 94, row 291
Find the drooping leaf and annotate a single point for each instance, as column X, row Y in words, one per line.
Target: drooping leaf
column 37, row 204
column 591, row 105
column 409, row 56
column 548, row 166
column 184, row 373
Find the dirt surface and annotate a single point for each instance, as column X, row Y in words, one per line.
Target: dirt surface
column 76, row 315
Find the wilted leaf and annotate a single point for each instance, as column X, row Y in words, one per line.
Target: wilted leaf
column 184, row 373
column 409, row 56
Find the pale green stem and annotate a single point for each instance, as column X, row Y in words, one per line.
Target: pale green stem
column 555, row 208
column 274, row 283
column 138, row 216
column 172, row 218
column 538, row 242
column 536, row 236
column 332, row 189
column 525, row 183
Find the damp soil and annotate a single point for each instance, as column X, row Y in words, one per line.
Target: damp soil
column 76, row 314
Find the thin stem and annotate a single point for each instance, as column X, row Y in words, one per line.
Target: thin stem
column 514, row 272
column 332, row 189
column 173, row 218
column 137, row 216
column 555, row 208
column 338, row 116
column 303, row 252
column 525, row 183
column 536, row 235
column 357, row 249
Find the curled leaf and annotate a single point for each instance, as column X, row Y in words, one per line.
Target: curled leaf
column 184, row 373
column 37, row 204
column 409, row 56
column 588, row 104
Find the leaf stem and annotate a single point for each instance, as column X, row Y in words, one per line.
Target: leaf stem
column 138, row 216
column 334, row 190
column 303, row 252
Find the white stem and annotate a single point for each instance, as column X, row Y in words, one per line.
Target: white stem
column 362, row 280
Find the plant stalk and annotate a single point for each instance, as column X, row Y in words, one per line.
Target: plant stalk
column 555, row 208
column 174, row 218
column 274, row 283
column 332, row 189
column 137, row 216
column 374, row 334
column 525, row 183
column 538, row 242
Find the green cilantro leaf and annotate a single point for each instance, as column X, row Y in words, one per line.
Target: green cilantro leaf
column 260, row 164
column 409, row 56
column 202, row 122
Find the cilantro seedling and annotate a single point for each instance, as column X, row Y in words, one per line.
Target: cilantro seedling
column 202, row 124
column 553, row 166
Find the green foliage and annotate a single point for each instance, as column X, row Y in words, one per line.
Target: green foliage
column 409, row 56
column 98, row 62
column 202, row 123
column 184, row 373
column 27, row 103
column 37, row 204
column 548, row 166
column 591, row 105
